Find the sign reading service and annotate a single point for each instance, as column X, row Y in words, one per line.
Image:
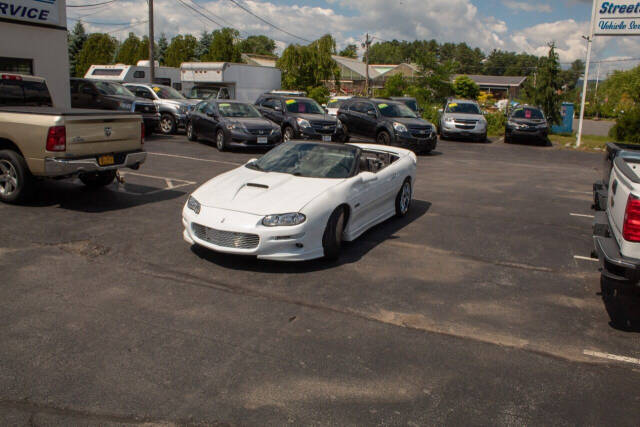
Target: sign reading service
column 40, row 11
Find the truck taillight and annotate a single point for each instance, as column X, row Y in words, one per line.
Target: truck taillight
column 142, row 133
column 631, row 227
column 57, row 138
column 11, row 77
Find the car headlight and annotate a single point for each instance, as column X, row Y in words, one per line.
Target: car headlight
column 399, row 127
column 338, row 124
column 449, row 120
column 275, row 130
column 482, row 123
column 193, row 204
column 303, row 123
column 279, row 220
column 236, row 126
column 126, row 106
column 183, row 109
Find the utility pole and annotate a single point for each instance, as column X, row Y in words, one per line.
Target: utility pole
column 589, row 40
column 595, row 96
column 366, row 45
column 152, row 63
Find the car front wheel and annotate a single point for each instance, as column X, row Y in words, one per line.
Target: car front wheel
column 288, row 134
column 15, row 179
column 383, row 138
column 191, row 134
column 332, row 238
column 403, row 199
column 167, row 124
column 221, row 144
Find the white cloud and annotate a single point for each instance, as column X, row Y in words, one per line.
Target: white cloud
column 527, row 6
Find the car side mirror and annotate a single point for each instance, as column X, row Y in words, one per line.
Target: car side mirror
column 88, row 91
column 367, row 177
column 372, row 113
column 440, row 110
column 277, row 108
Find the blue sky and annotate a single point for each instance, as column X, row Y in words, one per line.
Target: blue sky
column 515, row 25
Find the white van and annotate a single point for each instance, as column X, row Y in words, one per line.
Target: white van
column 138, row 73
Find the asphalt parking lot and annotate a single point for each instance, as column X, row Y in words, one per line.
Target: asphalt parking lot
column 480, row 307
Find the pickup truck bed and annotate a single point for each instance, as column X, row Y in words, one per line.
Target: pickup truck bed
column 600, row 188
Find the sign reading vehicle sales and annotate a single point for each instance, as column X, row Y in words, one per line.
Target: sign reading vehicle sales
column 39, row 11
column 617, row 18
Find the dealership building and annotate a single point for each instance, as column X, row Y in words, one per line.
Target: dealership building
column 34, row 41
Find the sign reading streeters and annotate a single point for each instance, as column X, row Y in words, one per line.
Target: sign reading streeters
column 38, row 11
column 615, row 18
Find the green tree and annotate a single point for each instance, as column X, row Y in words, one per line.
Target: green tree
column 351, row 51
column 549, row 85
column 465, row 88
column 76, row 40
column 320, row 94
column 98, row 49
column 224, row 46
column 129, row 51
column 433, row 79
column 204, row 43
column 163, row 44
column 181, row 49
column 261, row 45
column 395, row 85
column 310, row 66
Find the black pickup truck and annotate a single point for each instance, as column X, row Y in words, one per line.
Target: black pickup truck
column 614, row 149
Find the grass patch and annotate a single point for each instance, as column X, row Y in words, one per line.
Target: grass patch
column 589, row 142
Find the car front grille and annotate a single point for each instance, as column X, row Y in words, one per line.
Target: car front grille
column 226, row 239
column 465, row 123
column 420, row 131
column 324, row 127
column 260, row 132
column 145, row 108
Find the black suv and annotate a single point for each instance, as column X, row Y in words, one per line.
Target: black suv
column 526, row 122
column 105, row 95
column 300, row 118
column 389, row 122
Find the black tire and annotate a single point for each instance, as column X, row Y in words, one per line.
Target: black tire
column 403, row 205
column 167, row 124
column 383, row 138
column 288, row 134
column 221, row 140
column 98, row 179
column 484, row 139
column 332, row 238
column 345, row 134
column 621, row 303
column 191, row 133
column 507, row 139
column 16, row 181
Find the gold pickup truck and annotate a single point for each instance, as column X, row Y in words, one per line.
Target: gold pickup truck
column 38, row 140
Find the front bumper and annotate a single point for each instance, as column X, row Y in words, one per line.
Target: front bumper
column 248, row 140
column 527, row 133
column 614, row 265
column 313, row 134
column 72, row 166
column 417, row 145
column 452, row 130
column 297, row 243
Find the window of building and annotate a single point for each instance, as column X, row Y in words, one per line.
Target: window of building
column 139, row 74
column 106, row 72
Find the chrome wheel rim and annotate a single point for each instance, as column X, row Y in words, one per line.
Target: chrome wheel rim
column 287, row 135
column 8, row 178
column 189, row 130
column 382, row 139
column 220, row 140
column 165, row 125
column 339, row 228
column 405, row 198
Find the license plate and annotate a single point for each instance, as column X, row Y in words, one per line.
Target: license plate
column 106, row 160
column 262, row 140
column 326, row 138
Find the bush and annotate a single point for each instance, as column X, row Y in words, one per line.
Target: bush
column 465, row 88
column 320, row 94
column 627, row 127
column 431, row 113
column 496, row 123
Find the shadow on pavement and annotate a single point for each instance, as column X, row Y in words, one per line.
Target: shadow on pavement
column 351, row 251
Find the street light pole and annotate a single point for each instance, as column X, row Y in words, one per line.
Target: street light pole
column 152, row 64
column 586, row 73
column 367, row 42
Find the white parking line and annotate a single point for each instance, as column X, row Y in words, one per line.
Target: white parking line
column 171, row 183
column 612, row 357
column 154, row 176
column 581, row 215
column 194, row 158
column 584, row 258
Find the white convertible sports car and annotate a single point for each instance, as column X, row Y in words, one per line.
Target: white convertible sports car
column 301, row 200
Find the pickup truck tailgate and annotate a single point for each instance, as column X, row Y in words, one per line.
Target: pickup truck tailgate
column 625, row 181
column 96, row 135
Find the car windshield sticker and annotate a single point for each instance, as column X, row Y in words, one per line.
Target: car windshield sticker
column 156, row 89
column 527, row 114
column 383, row 105
column 290, row 101
column 225, row 105
column 454, row 105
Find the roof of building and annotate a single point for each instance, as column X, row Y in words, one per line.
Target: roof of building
column 356, row 66
column 507, row 81
column 263, row 60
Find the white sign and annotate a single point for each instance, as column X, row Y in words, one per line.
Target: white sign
column 39, row 11
column 617, row 18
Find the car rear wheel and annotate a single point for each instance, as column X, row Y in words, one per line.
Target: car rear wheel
column 332, row 238
column 383, row 138
column 191, row 134
column 288, row 134
column 403, row 199
column 221, row 144
column 16, row 181
column 345, row 133
column 167, row 124
column 98, row 179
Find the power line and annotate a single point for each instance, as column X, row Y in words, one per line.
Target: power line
column 200, row 13
column 267, row 22
column 213, row 14
column 126, row 28
column 99, row 23
column 91, row 5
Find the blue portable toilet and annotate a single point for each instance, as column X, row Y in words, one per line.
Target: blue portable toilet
column 567, row 112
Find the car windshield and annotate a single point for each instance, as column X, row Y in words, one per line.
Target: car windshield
column 166, row 92
column 236, row 109
column 109, row 88
column 411, row 103
column 528, row 113
column 204, row 93
column 308, row 159
column 395, row 110
column 463, row 108
column 305, row 106
column 335, row 103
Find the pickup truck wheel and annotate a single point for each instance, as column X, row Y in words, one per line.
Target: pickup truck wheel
column 403, row 199
column 332, row 238
column 191, row 134
column 16, row 181
column 383, row 138
column 221, row 144
column 167, row 124
column 98, row 179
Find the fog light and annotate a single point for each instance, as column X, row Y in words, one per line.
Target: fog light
column 299, row 245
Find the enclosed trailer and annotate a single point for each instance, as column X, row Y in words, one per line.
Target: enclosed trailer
column 139, row 73
column 243, row 82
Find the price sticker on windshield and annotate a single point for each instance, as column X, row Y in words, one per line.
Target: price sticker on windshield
column 290, row 101
column 527, row 114
column 453, row 105
column 383, row 105
column 225, row 105
column 156, row 89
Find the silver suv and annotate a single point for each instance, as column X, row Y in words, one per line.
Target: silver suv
column 462, row 118
column 173, row 106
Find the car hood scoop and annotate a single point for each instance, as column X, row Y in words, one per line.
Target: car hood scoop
column 261, row 193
